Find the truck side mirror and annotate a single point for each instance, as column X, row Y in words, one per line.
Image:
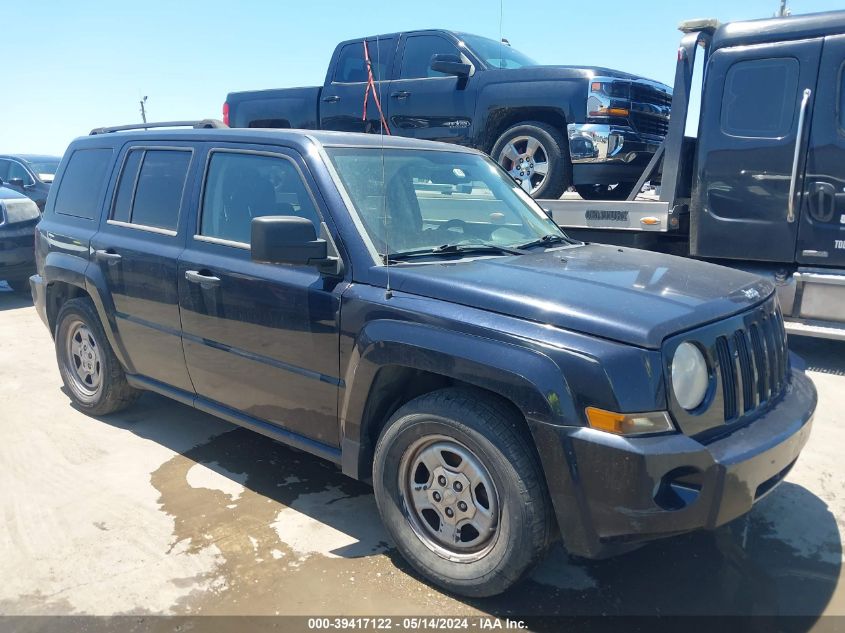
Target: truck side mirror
column 16, row 182
column 450, row 64
column 286, row 239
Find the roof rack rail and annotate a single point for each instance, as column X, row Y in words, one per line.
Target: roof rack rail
column 198, row 125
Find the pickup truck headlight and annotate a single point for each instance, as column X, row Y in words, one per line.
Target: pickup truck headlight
column 690, row 376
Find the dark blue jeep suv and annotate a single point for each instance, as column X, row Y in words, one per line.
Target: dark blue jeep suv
column 404, row 309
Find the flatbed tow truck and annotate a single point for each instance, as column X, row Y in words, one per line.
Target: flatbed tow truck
column 762, row 186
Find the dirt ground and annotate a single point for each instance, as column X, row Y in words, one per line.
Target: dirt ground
column 166, row 510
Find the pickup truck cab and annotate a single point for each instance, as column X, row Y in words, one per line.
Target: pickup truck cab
column 550, row 127
column 403, row 309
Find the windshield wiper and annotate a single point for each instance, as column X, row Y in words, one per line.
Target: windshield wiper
column 546, row 240
column 453, row 249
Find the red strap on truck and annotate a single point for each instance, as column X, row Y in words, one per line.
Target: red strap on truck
column 371, row 87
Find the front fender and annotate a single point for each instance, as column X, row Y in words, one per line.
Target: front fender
column 526, row 377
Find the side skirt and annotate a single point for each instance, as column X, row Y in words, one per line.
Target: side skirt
column 325, row 451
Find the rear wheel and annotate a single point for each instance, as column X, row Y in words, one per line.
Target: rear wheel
column 536, row 155
column 460, row 491
column 619, row 191
column 89, row 369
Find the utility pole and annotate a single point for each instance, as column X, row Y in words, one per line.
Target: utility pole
column 783, row 11
column 143, row 110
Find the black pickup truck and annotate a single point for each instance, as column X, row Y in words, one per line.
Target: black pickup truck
column 550, row 127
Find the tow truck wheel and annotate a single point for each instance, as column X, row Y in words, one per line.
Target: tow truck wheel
column 536, row 155
column 461, row 492
column 619, row 191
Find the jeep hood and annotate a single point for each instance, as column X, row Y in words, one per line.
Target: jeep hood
column 627, row 295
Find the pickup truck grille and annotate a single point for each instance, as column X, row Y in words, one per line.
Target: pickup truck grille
column 650, row 124
column 753, row 364
column 650, row 109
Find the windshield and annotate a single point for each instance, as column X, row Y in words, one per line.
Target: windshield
column 45, row 169
column 429, row 199
column 496, row 54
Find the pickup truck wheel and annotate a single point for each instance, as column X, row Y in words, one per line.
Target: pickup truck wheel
column 618, row 191
column 89, row 369
column 461, row 493
column 537, row 156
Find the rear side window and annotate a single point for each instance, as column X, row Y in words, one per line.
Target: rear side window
column 241, row 186
column 150, row 189
column 82, row 184
column 351, row 66
column 760, row 98
column 416, row 60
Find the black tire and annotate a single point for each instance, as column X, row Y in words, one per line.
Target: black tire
column 112, row 392
column 497, row 438
column 619, row 191
column 19, row 286
column 556, row 147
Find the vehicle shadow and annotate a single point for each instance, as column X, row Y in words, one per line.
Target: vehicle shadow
column 13, row 300
column 784, row 558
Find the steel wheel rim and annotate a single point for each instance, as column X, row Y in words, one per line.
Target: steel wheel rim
column 83, row 359
column 526, row 159
column 439, row 475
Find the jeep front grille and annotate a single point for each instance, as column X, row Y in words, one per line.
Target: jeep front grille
column 752, row 364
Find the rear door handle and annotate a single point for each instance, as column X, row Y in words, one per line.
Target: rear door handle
column 204, row 279
column 107, row 255
column 400, row 94
column 331, row 99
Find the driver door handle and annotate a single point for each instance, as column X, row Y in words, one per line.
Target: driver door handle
column 203, row 278
column 400, row 94
column 331, row 99
column 822, row 200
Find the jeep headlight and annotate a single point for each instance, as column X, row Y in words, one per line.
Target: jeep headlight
column 690, row 376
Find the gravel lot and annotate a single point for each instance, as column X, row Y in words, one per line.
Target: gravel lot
column 165, row 510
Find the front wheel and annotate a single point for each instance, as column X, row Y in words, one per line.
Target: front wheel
column 460, row 491
column 536, row 155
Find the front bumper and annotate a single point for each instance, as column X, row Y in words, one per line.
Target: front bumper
column 611, row 492
column 605, row 154
column 17, row 253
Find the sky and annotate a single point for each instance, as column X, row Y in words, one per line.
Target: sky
column 76, row 65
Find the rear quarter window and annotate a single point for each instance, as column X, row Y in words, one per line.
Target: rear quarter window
column 83, row 182
column 760, row 97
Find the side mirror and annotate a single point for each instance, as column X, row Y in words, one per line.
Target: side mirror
column 286, row 239
column 16, row 182
column 450, row 64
